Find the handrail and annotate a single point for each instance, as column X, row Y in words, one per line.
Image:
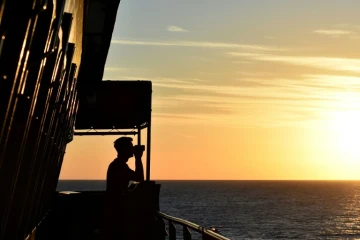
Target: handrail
column 207, row 233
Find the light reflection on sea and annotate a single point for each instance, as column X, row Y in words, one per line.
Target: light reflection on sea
column 261, row 209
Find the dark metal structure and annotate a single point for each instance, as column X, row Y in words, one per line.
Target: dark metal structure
column 49, row 50
column 52, row 58
column 117, row 108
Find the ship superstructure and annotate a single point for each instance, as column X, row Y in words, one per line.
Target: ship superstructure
column 52, row 58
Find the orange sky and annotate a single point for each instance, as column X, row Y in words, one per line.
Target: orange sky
column 242, row 90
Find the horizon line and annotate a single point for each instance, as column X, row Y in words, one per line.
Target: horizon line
column 304, row 180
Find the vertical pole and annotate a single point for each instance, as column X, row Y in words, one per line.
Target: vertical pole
column 139, row 136
column 148, row 145
column 148, row 150
column 186, row 233
column 172, row 231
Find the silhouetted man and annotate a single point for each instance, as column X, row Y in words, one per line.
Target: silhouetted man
column 117, row 180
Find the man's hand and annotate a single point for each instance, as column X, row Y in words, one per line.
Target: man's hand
column 138, row 152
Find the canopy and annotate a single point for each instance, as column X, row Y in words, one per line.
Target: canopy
column 115, row 105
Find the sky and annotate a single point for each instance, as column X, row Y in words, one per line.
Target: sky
column 242, row 90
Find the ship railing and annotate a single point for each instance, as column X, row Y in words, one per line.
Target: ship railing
column 207, row 234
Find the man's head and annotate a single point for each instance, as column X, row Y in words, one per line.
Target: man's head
column 124, row 147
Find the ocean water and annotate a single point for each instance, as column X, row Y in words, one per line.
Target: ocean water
column 260, row 209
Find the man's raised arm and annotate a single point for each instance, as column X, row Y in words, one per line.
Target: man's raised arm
column 139, row 170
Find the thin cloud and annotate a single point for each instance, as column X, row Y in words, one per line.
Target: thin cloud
column 173, row 28
column 301, row 101
column 219, row 45
column 335, row 82
column 277, row 89
column 328, row 63
column 332, row 32
column 116, row 69
column 242, row 62
column 348, row 30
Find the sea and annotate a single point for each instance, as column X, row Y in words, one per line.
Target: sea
column 259, row 209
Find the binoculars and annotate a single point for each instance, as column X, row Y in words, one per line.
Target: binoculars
column 139, row 147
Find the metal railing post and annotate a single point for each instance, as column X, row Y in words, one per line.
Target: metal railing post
column 172, row 231
column 205, row 233
column 186, row 233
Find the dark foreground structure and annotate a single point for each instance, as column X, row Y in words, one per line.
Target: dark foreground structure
column 52, row 58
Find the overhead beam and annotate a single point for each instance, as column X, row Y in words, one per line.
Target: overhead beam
column 103, row 133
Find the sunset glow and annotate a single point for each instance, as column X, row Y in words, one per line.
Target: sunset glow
column 241, row 89
column 347, row 134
